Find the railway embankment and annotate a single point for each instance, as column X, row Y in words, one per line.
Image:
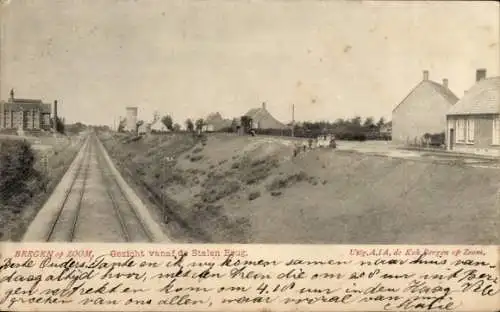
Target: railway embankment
column 252, row 189
column 29, row 172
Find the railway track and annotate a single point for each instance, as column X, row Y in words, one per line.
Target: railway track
column 63, row 227
column 94, row 179
column 131, row 224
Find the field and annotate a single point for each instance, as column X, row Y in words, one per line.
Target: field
column 251, row 189
column 51, row 158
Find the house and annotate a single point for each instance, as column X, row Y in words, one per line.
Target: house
column 422, row 111
column 29, row 114
column 144, row 128
column 262, row 119
column 215, row 122
column 473, row 124
column 158, row 126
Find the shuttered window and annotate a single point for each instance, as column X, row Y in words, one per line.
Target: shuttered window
column 460, row 131
column 470, row 130
column 496, row 131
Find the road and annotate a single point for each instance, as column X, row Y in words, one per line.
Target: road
column 389, row 149
column 93, row 203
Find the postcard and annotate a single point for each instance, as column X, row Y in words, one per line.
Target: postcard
column 233, row 155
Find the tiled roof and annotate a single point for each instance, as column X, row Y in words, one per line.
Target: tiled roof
column 447, row 94
column 18, row 106
column 482, row 98
column 262, row 115
column 450, row 96
column 158, row 125
column 253, row 112
column 15, row 100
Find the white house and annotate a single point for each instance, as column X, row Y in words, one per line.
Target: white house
column 422, row 111
column 159, row 126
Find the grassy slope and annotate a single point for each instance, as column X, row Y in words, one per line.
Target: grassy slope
column 326, row 196
column 15, row 219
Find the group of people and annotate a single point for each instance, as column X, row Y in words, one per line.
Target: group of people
column 321, row 141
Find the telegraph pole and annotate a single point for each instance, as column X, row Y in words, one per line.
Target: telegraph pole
column 293, row 120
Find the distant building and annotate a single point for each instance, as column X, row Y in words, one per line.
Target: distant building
column 158, row 126
column 144, row 128
column 474, row 122
column 215, row 122
column 29, row 114
column 262, row 119
column 422, row 111
column 131, row 119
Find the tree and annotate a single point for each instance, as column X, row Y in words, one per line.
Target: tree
column 121, row 125
column 168, row 122
column 177, row 127
column 189, row 125
column 369, row 122
column 59, row 122
column 356, row 121
column 75, row 128
column 17, row 160
column 138, row 124
column 246, row 123
column 234, row 125
column 381, row 122
column 199, row 124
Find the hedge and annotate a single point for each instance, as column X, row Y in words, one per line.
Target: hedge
column 18, row 176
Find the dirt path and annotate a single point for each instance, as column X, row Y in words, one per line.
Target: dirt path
column 93, row 203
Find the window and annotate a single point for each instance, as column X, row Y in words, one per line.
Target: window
column 496, row 131
column 470, row 130
column 460, row 135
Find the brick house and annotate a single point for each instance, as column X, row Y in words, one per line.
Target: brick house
column 473, row 124
column 422, row 111
column 30, row 114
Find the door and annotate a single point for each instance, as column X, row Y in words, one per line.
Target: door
column 452, row 138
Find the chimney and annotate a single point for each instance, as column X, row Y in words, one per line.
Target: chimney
column 426, row 75
column 55, row 113
column 445, row 83
column 264, row 105
column 480, row 74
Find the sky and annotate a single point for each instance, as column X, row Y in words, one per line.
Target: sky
column 331, row 59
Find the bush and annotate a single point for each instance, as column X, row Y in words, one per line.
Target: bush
column 174, row 177
column 253, row 195
column 17, row 171
column 132, row 139
column 217, row 191
column 252, row 172
column 222, row 162
column 437, row 139
column 286, row 181
column 196, row 158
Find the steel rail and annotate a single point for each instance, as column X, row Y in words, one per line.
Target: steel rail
column 67, row 192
